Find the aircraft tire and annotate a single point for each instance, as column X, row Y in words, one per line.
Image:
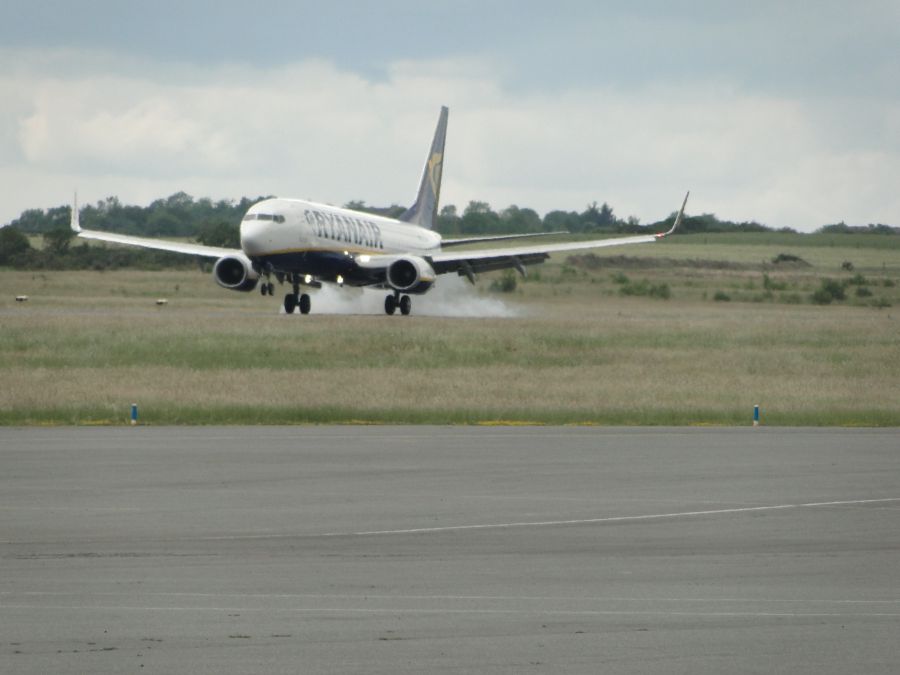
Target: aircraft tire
column 390, row 305
column 270, row 287
column 405, row 305
column 263, row 289
column 290, row 303
column 305, row 304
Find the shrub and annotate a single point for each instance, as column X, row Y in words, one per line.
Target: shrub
column 661, row 291
column 829, row 291
column 644, row 287
column 863, row 292
column 721, row 296
column 782, row 258
column 770, row 285
column 14, row 246
column 506, row 283
column 821, row 297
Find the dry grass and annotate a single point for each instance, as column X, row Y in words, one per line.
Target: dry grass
column 87, row 345
column 870, row 254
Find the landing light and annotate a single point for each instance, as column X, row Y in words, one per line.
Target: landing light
column 340, row 280
column 364, row 258
column 308, row 279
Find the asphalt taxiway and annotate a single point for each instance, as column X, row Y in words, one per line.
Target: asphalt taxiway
column 422, row 549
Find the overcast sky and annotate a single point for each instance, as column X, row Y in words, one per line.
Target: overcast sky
column 787, row 113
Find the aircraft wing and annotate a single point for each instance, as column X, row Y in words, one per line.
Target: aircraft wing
column 161, row 244
column 469, row 263
column 446, row 243
column 466, row 262
column 150, row 242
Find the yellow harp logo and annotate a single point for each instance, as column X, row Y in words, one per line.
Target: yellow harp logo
column 434, row 164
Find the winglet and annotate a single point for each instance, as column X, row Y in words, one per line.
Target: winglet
column 678, row 218
column 75, row 223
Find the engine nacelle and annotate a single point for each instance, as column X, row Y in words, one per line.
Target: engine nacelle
column 235, row 274
column 410, row 275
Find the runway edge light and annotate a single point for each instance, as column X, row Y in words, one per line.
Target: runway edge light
column 133, row 413
column 756, row 415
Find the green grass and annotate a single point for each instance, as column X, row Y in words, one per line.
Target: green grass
column 88, row 344
column 281, row 415
column 791, row 240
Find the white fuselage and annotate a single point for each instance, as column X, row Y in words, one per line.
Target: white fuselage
column 278, row 227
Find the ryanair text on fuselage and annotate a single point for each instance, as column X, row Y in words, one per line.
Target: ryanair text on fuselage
column 344, row 228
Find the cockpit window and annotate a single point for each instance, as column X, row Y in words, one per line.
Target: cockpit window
column 264, row 216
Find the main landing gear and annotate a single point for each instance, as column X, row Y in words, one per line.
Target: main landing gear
column 392, row 302
column 295, row 299
column 292, row 302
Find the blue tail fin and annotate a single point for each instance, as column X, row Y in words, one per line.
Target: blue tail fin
column 424, row 212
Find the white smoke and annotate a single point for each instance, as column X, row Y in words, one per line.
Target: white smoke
column 450, row 296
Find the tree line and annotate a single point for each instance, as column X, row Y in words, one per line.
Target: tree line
column 217, row 224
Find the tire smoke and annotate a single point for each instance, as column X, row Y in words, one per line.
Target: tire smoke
column 450, row 296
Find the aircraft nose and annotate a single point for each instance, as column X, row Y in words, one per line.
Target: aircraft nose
column 254, row 240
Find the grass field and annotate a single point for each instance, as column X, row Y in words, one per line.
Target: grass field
column 576, row 343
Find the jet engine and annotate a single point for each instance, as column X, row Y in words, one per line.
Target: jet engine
column 410, row 274
column 235, row 274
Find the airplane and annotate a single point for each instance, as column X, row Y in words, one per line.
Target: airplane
column 307, row 244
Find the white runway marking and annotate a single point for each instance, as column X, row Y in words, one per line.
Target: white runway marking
column 539, row 523
column 613, row 519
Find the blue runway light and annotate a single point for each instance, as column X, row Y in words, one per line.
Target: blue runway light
column 756, row 415
column 134, row 413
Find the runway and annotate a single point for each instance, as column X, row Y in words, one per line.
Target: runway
column 459, row 549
